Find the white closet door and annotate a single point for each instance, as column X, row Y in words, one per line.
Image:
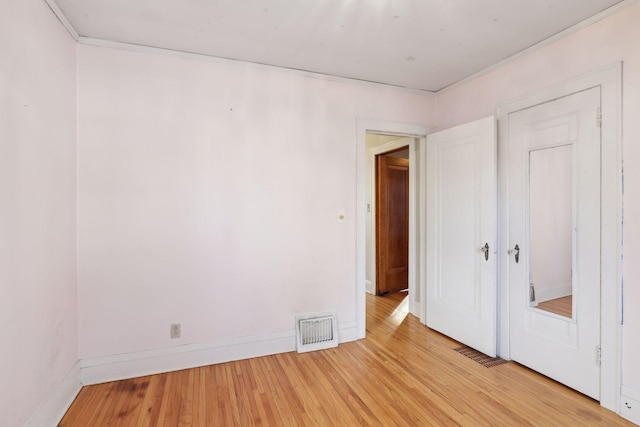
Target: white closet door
column 554, row 219
column 461, row 233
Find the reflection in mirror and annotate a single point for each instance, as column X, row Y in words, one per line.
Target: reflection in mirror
column 550, row 232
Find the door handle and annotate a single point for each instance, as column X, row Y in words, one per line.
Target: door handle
column 516, row 252
column 485, row 249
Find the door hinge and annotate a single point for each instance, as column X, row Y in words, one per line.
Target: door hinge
column 599, row 117
column 598, row 355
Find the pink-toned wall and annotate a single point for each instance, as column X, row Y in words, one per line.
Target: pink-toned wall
column 208, row 196
column 38, row 302
column 208, row 192
column 603, row 43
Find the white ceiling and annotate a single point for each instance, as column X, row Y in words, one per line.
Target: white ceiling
column 419, row 44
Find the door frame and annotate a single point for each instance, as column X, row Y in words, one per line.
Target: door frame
column 416, row 242
column 401, row 142
column 609, row 79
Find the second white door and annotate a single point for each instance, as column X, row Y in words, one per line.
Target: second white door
column 554, row 230
column 461, row 234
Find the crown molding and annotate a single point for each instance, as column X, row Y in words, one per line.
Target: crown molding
column 89, row 41
column 564, row 33
column 63, row 19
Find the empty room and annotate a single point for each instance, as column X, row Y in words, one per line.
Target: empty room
column 331, row 212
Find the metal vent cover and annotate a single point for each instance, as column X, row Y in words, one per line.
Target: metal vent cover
column 316, row 332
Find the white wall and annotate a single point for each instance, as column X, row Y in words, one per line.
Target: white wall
column 613, row 39
column 208, row 196
column 38, row 306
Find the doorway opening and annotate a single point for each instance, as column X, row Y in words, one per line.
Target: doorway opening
column 392, row 131
column 392, row 216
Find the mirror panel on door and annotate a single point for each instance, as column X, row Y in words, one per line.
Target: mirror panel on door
column 551, row 222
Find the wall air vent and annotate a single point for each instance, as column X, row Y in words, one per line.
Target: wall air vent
column 316, row 332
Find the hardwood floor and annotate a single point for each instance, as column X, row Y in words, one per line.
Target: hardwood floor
column 401, row 374
column 561, row 306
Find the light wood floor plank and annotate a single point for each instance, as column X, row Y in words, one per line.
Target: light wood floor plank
column 561, row 306
column 402, row 374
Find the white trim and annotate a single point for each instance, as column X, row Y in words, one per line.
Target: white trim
column 417, row 308
column 369, row 287
column 557, row 36
column 56, row 405
column 89, row 41
column 610, row 81
column 422, row 235
column 547, row 294
column 414, row 251
column 347, row 332
column 62, row 18
column 364, row 126
column 631, row 392
column 130, row 365
column 630, row 404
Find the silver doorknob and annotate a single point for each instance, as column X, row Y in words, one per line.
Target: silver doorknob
column 485, row 249
column 516, row 252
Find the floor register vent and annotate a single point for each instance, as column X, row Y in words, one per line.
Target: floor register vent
column 316, row 332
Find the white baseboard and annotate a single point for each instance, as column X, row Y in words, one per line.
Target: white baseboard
column 630, row 404
column 348, row 332
column 417, row 309
column 137, row 364
column 131, row 365
column 369, row 287
column 552, row 293
column 53, row 409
